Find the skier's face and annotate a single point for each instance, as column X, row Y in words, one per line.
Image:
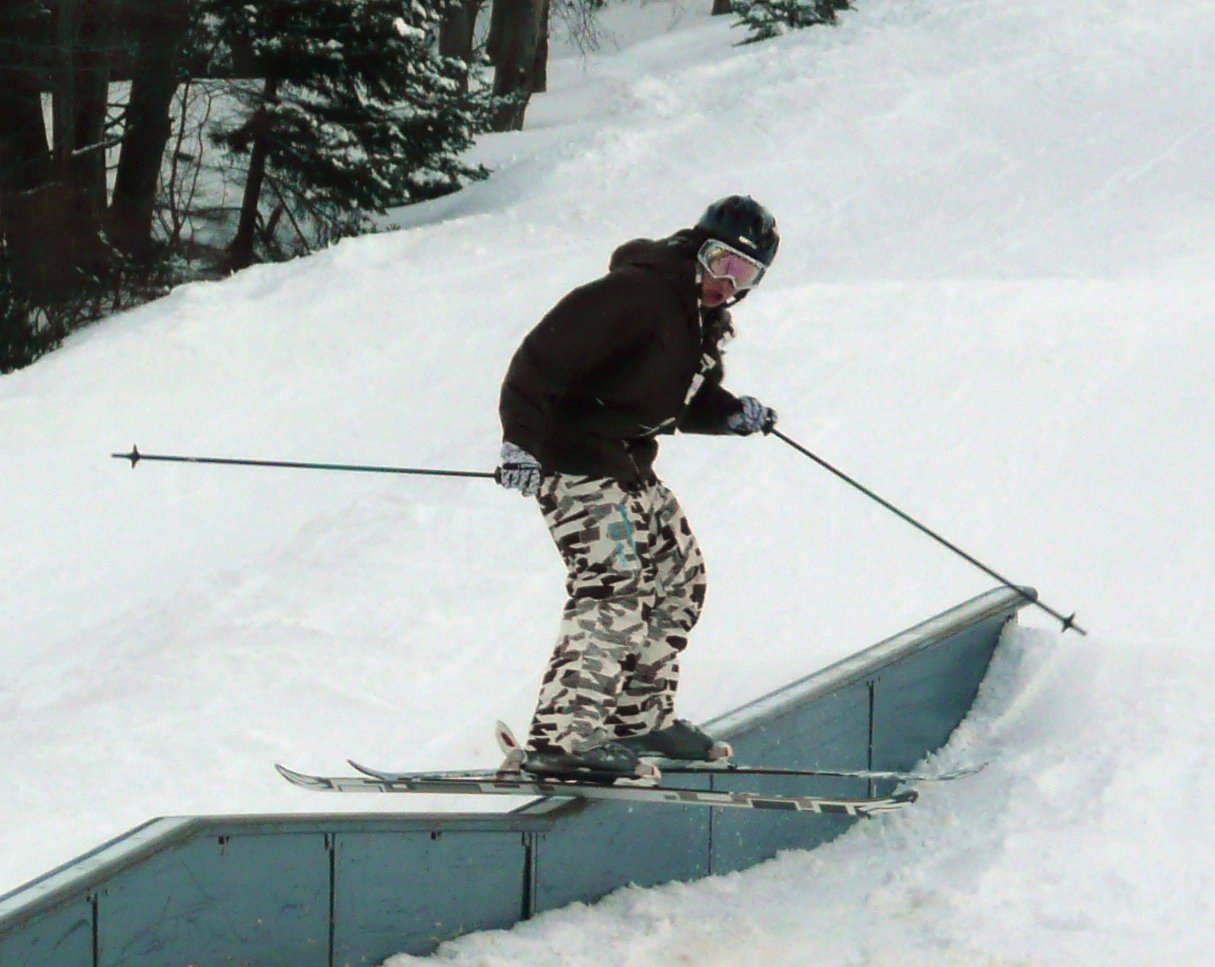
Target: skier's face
column 715, row 292
column 724, row 271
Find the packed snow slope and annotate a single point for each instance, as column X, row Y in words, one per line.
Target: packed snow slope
column 991, row 304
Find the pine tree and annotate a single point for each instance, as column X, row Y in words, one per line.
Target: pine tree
column 355, row 110
column 771, row 18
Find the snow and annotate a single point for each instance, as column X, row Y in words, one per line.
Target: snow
column 991, row 306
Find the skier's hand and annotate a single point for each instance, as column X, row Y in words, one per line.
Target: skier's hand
column 751, row 417
column 518, row 470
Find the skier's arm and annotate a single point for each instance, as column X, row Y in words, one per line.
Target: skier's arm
column 710, row 409
column 715, row 410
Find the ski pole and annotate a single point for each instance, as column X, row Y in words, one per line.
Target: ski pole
column 1069, row 621
column 135, row 456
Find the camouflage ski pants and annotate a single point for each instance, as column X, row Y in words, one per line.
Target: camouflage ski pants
column 636, row 586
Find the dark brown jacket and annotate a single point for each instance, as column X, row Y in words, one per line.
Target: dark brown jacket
column 613, row 363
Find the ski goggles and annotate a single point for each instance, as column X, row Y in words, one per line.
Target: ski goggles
column 723, row 262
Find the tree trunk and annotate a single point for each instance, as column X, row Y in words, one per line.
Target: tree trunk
column 721, row 7
column 240, row 251
column 514, row 38
column 26, row 238
column 91, row 62
column 457, row 31
column 25, row 161
column 69, row 199
column 158, row 28
column 63, row 87
column 540, row 69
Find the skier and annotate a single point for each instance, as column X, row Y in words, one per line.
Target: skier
column 616, row 363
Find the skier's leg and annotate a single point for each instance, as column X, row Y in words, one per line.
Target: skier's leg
column 602, row 532
column 647, row 699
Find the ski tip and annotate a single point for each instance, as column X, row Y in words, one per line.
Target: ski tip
column 365, row 770
column 301, row 779
column 959, row 773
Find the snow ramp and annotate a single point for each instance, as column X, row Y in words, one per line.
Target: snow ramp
column 326, row 890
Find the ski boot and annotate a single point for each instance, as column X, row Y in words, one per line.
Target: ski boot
column 604, row 763
column 681, row 740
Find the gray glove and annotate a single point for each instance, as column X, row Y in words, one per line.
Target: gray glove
column 753, row 417
column 518, row 470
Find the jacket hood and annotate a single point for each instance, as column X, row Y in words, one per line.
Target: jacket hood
column 674, row 258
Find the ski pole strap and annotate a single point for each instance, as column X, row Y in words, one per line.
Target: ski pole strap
column 135, row 456
column 1068, row 621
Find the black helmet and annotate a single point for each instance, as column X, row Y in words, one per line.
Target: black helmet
column 744, row 223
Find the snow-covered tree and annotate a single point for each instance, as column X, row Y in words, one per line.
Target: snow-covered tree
column 353, row 110
column 771, row 18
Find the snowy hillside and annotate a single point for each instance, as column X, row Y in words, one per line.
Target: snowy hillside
column 992, row 305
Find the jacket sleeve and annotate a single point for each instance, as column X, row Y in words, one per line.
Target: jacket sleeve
column 712, row 405
column 590, row 326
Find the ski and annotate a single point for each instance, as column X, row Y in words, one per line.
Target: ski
column 520, row 784
column 476, row 774
column 514, row 754
column 511, row 779
column 511, row 768
column 682, row 768
column 672, row 767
